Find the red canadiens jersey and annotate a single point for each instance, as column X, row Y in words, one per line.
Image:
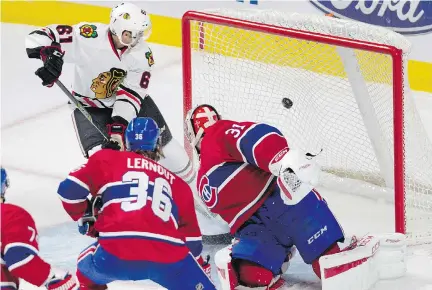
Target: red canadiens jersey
column 148, row 212
column 234, row 176
column 19, row 249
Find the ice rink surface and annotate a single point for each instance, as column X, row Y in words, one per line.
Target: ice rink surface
column 39, row 148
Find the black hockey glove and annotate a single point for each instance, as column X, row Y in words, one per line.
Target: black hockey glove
column 116, row 132
column 111, row 144
column 52, row 57
column 87, row 221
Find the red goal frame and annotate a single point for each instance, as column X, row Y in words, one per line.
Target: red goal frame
column 397, row 68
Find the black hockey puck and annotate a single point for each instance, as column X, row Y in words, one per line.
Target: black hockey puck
column 287, row 103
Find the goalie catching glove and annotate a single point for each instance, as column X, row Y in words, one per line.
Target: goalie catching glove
column 290, row 161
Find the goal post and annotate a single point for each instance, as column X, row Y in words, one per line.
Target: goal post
column 349, row 90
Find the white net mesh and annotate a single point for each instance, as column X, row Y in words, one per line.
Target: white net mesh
column 342, row 100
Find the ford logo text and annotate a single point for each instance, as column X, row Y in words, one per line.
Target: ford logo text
column 403, row 16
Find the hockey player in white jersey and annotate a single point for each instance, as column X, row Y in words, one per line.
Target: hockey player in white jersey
column 113, row 66
column 112, row 73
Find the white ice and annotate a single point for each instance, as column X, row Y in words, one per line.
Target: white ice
column 39, row 148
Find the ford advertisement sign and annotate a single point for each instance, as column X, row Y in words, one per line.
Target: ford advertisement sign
column 403, row 16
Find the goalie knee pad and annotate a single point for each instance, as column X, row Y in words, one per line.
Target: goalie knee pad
column 267, row 254
column 253, row 275
column 86, row 284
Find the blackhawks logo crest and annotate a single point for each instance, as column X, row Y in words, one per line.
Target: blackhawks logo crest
column 88, row 31
column 105, row 84
column 149, row 56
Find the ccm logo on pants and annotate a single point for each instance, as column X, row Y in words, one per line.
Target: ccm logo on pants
column 317, row 235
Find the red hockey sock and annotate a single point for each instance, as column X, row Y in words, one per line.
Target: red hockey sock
column 86, row 284
column 316, row 265
column 253, row 275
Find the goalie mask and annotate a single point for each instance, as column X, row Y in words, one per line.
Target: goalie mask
column 197, row 120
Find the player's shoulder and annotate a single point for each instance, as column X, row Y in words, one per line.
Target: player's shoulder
column 178, row 181
column 105, row 155
column 143, row 55
column 12, row 212
column 13, row 208
column 90, row 30
column 222, row 125
column 180, row 189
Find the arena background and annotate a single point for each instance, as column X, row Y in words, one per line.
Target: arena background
column 415, row 17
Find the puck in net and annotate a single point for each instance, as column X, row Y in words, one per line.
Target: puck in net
column 287, row 103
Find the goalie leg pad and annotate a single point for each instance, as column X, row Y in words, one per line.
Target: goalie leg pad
column 374, row 257
column 391, row 256
column 312, row 226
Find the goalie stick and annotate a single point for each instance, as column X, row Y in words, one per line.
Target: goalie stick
column 80, row 107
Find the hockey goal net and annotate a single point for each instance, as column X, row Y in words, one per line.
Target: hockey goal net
column 326, row 83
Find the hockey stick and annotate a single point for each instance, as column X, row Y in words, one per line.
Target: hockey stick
column 80, row 107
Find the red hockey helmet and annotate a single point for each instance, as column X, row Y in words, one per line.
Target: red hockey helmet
column 198, row 119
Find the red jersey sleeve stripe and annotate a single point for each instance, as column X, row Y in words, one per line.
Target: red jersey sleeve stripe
column 141, row 235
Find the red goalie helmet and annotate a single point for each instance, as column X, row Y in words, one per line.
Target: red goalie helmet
column 199, row 118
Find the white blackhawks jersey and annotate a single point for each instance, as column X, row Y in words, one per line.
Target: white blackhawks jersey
column 104, row 77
